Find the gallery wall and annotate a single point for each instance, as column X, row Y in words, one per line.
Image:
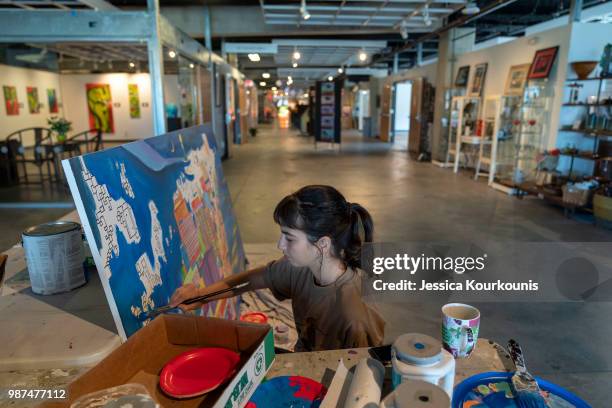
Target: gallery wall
column 70, row 91
column 519, row 51
column 126, row 127
column 21, row 78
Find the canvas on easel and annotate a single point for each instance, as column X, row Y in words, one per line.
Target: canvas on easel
column 157, row 214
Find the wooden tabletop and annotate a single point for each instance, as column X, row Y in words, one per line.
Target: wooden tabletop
column 321, row 365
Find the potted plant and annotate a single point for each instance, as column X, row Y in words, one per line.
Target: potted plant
column 60, row 126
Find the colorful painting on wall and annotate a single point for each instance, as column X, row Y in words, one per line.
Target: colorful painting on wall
column 158, row 215
column 52, row 99
column 33, row 103
column 10, row 100
column 542, row 63
column 99, row 103
column 134, row 101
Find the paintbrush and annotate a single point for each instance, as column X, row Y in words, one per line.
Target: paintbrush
column 526, row 388
column 159, row 310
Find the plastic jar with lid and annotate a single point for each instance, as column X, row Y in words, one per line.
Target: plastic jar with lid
column 417, row 356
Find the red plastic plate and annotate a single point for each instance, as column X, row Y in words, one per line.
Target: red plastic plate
column 196, row 372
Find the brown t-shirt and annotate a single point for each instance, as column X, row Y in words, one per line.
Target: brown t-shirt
column 326, row 317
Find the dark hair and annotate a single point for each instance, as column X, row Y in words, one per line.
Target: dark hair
column 320, row 211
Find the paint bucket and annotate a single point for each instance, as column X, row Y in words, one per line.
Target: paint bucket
column 54, row 255
column 254, row 317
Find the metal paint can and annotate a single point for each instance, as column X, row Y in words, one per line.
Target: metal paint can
column 54, row 255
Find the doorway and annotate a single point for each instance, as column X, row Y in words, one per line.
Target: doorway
column 402, row 100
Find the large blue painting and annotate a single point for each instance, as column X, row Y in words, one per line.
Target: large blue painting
column 157, row 214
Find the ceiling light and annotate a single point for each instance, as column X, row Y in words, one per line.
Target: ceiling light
column 274, row 88
column 296, row 55
column 426, row 17
column 404, row 30
column 340, row 70
column 295, row 65
column 172, row 53
column 330, row 78
column 265, row 75
column 471, row 8
column 262, row 83
column 363, row 56
column 254, row 57
column 191, row 66
column 303, row 11
column 132, row 65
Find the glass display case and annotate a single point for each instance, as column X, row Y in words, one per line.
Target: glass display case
column 488, row 142
column 508, row 130
column 443, row 145
column 465, row 111
column 533, row 129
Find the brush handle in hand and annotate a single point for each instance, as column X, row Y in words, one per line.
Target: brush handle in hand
column 212, row 294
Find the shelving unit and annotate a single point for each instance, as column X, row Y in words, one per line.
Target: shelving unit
column 593, row 124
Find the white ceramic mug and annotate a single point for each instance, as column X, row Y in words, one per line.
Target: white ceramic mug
column 460, row 326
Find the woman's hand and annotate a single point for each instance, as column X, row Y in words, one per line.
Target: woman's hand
column 183, row 293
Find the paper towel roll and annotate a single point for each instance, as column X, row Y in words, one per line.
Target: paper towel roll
column 366, row 386
column 417, row 394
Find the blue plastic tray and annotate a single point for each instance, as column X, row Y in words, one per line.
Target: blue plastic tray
column 463, row 388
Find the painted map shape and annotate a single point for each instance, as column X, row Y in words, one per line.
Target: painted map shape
column 160, row 215
column 288, row 391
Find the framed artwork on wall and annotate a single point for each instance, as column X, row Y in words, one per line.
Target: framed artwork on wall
column 542, row 63
column 517, row 76
column 134, row 99
column 52, row 99
column 33, row 103
column 10, row 100
column 480, row 74
column 100, row 107
column 463, row 74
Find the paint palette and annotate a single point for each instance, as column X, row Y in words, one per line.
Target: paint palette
column 494, row 390
column 288, row 391
column 196, row 372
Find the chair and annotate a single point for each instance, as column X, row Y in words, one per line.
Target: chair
column 90, row 140
column 39, row 155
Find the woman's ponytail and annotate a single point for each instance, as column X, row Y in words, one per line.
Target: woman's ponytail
column 360, row 217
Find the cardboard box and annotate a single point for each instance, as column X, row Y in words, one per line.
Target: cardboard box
column 141, row 358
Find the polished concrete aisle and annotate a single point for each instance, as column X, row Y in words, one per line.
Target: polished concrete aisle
column 412, row 201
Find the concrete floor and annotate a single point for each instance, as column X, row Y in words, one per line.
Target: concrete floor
column 412, row 201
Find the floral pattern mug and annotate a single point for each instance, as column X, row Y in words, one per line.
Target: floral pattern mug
column 460, row 326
